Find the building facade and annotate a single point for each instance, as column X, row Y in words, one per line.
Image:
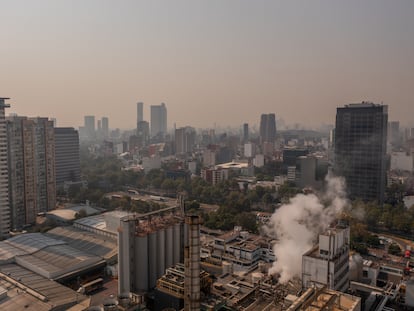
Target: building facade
column 327, row 264
column 158, row 120
column 105, row 127
column 184, row 140
column 4, row 179
column 67, row 155
column 32, row 174
column 89, row 127
column 140, row 112
column 360, row 149
column 268, row 128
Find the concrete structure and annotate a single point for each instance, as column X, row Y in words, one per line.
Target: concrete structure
column 184, row 140
column 192, row 264
column 245, row 132
column 105, row 128
column 67, row 156
column 140, row 112
column 306, row 171
column 158, row 120
column 267, row 128
column 394, row 133
column 147, row 245
column 249, row 150
column 325, row 299
column 89, row 127
column 327, row 264
column 402, row 161
column 143, row 133
column 150, row 163
column 214, row 176
column 259, row 160
column 32, row 177
column 209, row 158
column 360, row 149
column 5, row 222
column 169, row 292
column 241, row 249
column 65, row 216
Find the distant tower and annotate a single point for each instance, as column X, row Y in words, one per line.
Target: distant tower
column 360, row 149
column 4, row 180
column 184, row 140
column 90, row 127
column 105, row 127
column 158, row 120
column 245, row 132
column 140, row 112
column 267, row 128
column 67, row 155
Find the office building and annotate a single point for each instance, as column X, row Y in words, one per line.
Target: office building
column 4, row 180
column 245, row 132
column 143, row 133
column 184, row 140
column 105, row 127
column 267, row 128
column 158, row 120
column 394, row 133
column 89, row 127
column 360, row 149
column 140, row 112
column 31, row 152
column 327, row 264
column 67, row 155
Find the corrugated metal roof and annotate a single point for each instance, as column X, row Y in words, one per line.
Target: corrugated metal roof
column 55, row 293
column 32, row 242
column 55, row 261
column 89, row 242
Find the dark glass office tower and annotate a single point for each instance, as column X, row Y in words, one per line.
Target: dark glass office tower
column 268, row 127
column 360, row 149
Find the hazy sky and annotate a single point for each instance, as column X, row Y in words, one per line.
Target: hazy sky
column 211, row 61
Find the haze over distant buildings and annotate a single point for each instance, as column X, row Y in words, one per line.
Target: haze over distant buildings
column 211, row 62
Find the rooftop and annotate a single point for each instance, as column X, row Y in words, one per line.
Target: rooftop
column 30, row 291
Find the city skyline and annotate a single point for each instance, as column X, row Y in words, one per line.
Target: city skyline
column 220, row 63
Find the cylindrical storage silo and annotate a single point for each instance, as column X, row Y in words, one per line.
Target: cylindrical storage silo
column 141, row 263
column 169, row 246
column 152, row 259
column 177, row 243
column 161, row 252
column 124, row 257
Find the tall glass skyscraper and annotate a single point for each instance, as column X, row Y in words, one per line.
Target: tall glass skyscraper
column 158, row 120
column 360, row 149
column 267, row 128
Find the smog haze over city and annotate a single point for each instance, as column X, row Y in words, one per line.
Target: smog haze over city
column 211, row 62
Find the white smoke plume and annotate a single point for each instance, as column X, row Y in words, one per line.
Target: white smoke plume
column 297, row 224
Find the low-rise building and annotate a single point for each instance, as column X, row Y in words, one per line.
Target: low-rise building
column 327, row 264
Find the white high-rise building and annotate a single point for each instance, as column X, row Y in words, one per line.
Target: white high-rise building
column 4, row 180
